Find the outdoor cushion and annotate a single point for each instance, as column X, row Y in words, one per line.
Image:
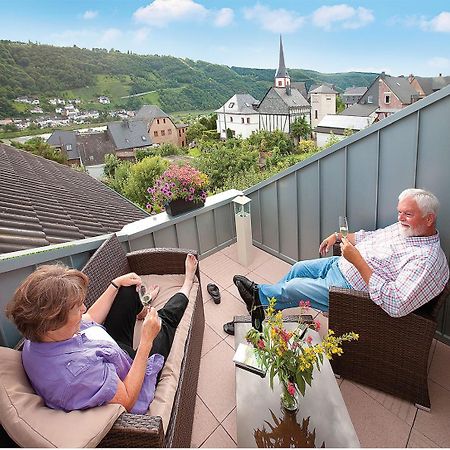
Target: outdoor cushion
column 31, row 424
column 168, row 383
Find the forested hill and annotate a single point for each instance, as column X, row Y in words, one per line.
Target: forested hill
column 175, row 84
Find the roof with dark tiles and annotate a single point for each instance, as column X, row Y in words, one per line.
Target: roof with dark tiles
column 43, row 202
column 93, row 147
column 277, row 101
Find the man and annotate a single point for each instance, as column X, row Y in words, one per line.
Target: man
column 401, row 266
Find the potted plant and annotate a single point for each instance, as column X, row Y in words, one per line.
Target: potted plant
column 179, row 189
column 291, row 355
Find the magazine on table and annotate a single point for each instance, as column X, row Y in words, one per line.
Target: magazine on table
column 245, row 358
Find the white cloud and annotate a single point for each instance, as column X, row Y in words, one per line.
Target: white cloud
column 440, row 23
column 274, row 20
column 89, row 14
column 347, row 16
column 109, row 36
column 161, row 12
column 439, row 63
column 141, row 35
column 224, row 17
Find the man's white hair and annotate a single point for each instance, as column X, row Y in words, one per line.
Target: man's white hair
column 426, row 201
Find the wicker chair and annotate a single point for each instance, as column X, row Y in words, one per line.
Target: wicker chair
column 131, row 430
column 392, row 353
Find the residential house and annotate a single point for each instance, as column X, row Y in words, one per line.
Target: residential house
column 427, row 85
column 239, row 115
column 104, row 100
column 24, row 99
column 66, row 141
column 160, row 126
column 323, row 102
column 282, row 104
column 36, row 110
column 128, row 136
column 352, row 95
column 45, row 203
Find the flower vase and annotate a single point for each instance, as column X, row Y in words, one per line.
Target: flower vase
column 289, row 401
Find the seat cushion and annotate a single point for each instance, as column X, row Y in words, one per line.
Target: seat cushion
column 170, row 375
column 31, row 424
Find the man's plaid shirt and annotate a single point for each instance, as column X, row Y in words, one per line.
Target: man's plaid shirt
column 407, row 271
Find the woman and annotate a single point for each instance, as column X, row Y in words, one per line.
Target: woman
column 75, row 363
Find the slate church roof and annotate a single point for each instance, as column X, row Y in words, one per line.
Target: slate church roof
column 43, row 202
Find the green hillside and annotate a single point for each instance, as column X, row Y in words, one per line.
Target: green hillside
column 174, row 84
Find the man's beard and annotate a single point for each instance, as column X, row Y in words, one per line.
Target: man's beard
column 410, row 231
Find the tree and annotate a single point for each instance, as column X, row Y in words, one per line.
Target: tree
column 195, row 132
column 111, row 164
column 300, row 129
column 340, row 105
column 39, row 147
column 333, row 139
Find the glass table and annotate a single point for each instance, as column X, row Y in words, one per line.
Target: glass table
column 322, row 419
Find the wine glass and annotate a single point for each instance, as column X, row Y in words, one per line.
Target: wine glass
column 343, row 226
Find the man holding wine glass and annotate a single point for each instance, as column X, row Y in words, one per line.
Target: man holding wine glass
column 401, row 266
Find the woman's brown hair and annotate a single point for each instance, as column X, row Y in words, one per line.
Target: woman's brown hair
column 43, row 301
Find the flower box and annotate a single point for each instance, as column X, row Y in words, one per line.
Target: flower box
column 180, row 206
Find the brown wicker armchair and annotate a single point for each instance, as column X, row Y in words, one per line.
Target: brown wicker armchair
column 392, row 353
column 131, row 430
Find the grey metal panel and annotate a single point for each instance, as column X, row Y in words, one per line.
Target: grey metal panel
column 362, row 181
column 187, row 234
column 309, row 219
column 433, row 168
column 332, row 192
column 142, row 242
column 269, row 216
column 287, row 201
column 206, row 233
column 166, row 237
column 397, row 166
column 223, row 218
column 256, row 216
column 9, row 282
column 78, row 261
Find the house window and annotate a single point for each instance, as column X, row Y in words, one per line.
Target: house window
column 163, row 132
column 387, row 99
column 231, row 119
column 248, row 119
column 280, row 83
column 157, row 121
column 242, row 120
column 316, row 115
column 169, row 131
column 155, row 133
column 179, row 133
column 230, row 105
column 164, row 120
column 370, row 99
column 69, row 147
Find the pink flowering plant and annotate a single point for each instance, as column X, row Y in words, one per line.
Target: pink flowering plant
column 177, row 182
column 291, row 355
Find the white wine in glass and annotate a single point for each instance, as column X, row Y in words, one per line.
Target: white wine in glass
column 343, row 226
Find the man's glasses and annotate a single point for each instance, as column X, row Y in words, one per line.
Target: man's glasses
column 144, row 295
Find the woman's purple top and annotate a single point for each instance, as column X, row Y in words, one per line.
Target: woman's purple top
column 80, row 373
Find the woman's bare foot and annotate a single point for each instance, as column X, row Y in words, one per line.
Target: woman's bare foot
column 191, row 265
column 153, row 291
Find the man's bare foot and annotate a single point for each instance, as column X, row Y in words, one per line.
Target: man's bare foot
column 191, row 266
column 153, row 291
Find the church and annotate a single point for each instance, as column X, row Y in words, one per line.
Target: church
column 282, row 104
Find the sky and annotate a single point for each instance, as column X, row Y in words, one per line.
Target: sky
column 399, row 37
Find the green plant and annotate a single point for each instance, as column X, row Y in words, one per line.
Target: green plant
column 177, row 182
column 289, row 356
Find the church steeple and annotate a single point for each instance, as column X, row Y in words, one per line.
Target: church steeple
column 282, row 78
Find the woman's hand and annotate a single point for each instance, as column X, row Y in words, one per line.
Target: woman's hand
column 327, row 243
column 128, row 279
column 151, row 325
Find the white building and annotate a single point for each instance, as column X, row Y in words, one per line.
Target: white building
column 323, row 102
column 104, row 100
column 337, row 125
column 239, row 114
column 278, row 109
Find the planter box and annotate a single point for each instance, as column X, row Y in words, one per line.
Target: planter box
column 180, row 206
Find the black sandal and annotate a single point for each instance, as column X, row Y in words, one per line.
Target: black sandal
column 229, row 328
column 214, row 292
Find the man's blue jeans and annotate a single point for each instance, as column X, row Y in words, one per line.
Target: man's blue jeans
column 307, row 280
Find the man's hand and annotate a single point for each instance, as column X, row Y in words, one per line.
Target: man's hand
column 326, row 244
column 352, row 255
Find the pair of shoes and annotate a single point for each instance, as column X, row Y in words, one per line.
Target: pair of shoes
column 248, row 290
column 214, row 292
column 229, row 328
